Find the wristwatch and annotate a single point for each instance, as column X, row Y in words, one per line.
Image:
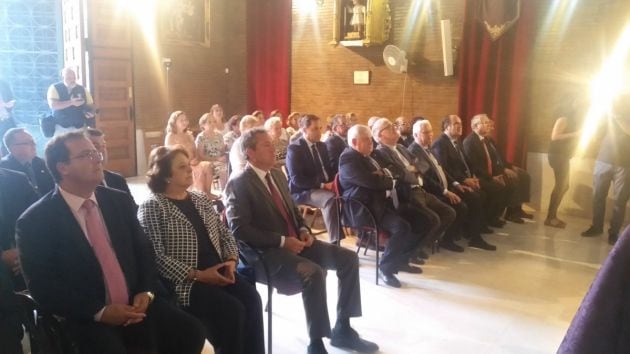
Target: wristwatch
column 151, row 296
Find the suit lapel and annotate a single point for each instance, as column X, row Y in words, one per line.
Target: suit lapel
column 69, row 225
column 286, row 198
column 110, row 214
column 262, row 189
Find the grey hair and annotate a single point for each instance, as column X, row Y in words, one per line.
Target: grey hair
column 476, row 119
column 417, row 126
column 9, row 136
column 247, row 122
column 378, row 126
column 249, row 139
column 357, row 131
column 271, row 121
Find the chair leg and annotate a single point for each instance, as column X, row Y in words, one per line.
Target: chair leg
column 378, row 249
column 269, row 319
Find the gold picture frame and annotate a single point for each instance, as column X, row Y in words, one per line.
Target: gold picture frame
column 185, row 22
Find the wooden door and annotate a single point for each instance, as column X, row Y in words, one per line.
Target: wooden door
column 109, row 51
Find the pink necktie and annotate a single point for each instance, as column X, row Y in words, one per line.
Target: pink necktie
column 114, row 277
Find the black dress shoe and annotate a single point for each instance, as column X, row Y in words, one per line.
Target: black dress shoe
column 496, row 223
column 316, row 347
column 422, row 254
column 348, row 338
column 416, row 261
column 451, row 246
column 486, row 230
column 612, row 239
column 592, row 231
column 515, row 219
column 523, row 215
column 389, row 279
column 479, row 242
column 410, row 269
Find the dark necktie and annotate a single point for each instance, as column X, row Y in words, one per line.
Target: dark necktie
column 318, row 162
column 277, row 201
column 461, row 156
column 31, row 174
column 484, row 142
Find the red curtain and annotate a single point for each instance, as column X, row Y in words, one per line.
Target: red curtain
column 269, row 55
column 494, row 76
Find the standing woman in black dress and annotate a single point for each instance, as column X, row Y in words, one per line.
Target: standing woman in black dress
column 564, row 140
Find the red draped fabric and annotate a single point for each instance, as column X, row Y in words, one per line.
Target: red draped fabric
column 269, row 55
column 494, row 76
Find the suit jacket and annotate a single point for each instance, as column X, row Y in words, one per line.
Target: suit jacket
column 303, row 173
column 432, row 182
column 59, row 265
column 405, row 179
column 450, row 160
column 175, row 239
column 476, row 155
column 116, row 181
column 406, row 141
column 251, row 213
column 43, row 182
column 335, row 146
column 358, row 181
column 16, row 195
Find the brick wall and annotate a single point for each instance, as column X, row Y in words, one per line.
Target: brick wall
column 565, row 56
column 322, row 75
column 197, row 78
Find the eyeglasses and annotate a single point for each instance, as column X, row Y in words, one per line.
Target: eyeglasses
column 91, row 155
column 26, row 143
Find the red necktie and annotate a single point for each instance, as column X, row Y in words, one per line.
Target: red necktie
column 112, row 273
column 488, row 159
column 277, row 200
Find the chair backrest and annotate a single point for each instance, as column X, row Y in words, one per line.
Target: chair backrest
column 46, row 332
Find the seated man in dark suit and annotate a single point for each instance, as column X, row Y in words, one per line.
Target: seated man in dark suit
column 491, row 180
column 362, row 178
column 310, row 176
column 16, row 194
column 465, row 201
column 437, row 216
column 85, row 258
column 403, row 127
column 22, row 158
column 261, row 212
column 447, row 148
column 337, row 141
column 516, row 176
column 112, row 179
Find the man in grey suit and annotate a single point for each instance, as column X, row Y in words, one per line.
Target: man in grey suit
column 261, row 212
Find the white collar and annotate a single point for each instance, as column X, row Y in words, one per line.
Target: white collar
column 260, row 173
column 74, row 201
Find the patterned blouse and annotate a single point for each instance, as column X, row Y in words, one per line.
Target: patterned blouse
column 213, row 146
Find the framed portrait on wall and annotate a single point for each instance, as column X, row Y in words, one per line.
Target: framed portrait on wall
column 185, row 22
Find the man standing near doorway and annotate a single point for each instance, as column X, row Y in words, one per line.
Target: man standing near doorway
column 71, row 104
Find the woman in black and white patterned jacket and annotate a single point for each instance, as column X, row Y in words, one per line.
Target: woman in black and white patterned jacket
column 198, row 254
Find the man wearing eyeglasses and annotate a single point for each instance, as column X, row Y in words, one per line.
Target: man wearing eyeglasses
column 85, row 258
column 23, row 158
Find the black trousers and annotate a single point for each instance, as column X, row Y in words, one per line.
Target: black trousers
column 453, row 232
column 496, row 198
column 10, row 317
column 561, row 168
column 403, row 228
column 438, row 215
column 474, row 201
column 307, row 271
column 232, row 316
column 519, row 188
column 165, row 330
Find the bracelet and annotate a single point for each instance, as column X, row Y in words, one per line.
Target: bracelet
column 194, row 274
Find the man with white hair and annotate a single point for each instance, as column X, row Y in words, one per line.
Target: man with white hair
column 71, row 103
column 490, row 176
column 411, row 183
column 361, row 178
column 237, row 155
column 466, row 202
